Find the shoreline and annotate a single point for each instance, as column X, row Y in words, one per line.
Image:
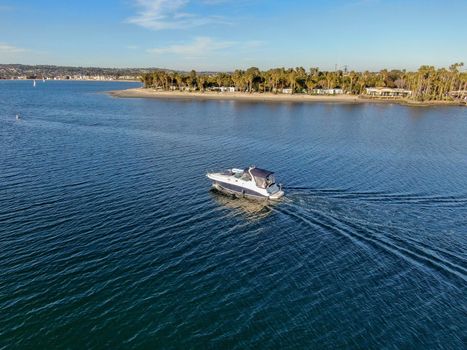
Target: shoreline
column 268, row 97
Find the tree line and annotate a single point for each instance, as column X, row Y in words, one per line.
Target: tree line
column 427, row 83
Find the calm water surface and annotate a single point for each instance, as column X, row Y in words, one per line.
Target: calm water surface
column 110, row 237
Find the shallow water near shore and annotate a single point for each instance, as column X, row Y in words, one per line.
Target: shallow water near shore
column 110, row 236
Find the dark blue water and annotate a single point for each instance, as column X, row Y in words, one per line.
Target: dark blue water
column 110, row 237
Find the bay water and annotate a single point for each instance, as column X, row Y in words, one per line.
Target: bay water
column 111, row 237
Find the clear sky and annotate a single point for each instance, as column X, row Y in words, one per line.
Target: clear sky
column 229, row 34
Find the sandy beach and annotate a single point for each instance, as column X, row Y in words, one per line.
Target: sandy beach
column 210, row 95
column 265, row 97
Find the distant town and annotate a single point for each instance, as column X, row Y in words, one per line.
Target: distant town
column 49, row 72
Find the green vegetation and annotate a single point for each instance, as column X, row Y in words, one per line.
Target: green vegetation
column 426, row 84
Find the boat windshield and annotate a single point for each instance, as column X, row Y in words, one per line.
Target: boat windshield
column 265, row 182
column 246, row 176
column 261, row 182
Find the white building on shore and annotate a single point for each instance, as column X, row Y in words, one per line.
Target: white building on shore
column 227, row 88
column 222, row 88
column 336, row 91
column 387, row 92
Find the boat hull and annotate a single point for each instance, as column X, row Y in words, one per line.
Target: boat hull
column 237, row 191
column 242, row 192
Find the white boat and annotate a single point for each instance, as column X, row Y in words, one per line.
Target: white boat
column 34, row 83
column 251, row 182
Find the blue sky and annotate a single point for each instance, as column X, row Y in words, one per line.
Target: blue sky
column 229, row 34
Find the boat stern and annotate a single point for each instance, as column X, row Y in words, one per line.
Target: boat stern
column 277, row 195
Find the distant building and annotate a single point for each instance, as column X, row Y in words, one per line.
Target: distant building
column 227, row 89
column 127, row 77
column 336, row 91
column 387, row 92
column 287, row 91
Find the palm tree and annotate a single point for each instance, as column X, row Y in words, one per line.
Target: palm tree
column 292, row 79
column 146, row 79
column 238, row 78
column 301, row 77
column 251, row 76
column 277, row 75
column 202, row 80
column 193, row 81
column 310, row 84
